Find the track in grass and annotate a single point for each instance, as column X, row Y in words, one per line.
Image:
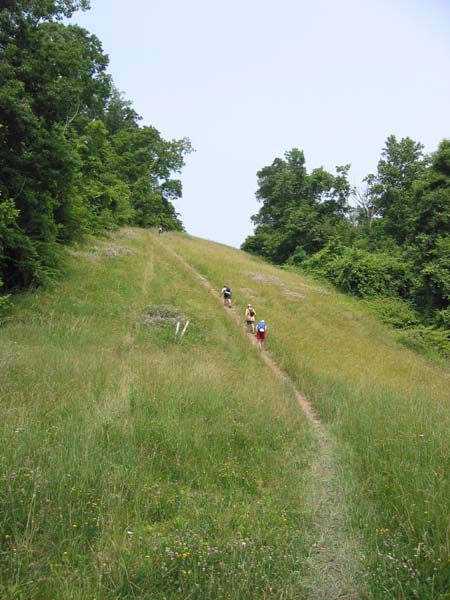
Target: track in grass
column 334, row 569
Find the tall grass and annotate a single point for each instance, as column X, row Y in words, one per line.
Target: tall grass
column 139, row 465
column 387, row 407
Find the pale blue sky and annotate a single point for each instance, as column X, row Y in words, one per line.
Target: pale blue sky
column 248, row 80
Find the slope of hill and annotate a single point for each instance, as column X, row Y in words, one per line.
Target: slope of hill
column 137, row 463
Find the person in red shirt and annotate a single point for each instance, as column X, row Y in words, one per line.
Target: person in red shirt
column 261, row 330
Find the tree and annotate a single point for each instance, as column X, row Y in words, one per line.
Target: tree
column 147, row 162
column 401, row 164
column 50, row 75
column 35, row 11
column 300, row 212
column 366, row 203
column 74, row 158
column 430, row 238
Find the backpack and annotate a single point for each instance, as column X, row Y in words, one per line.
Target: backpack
column 261, row 327
column 251, row 312
column 227, row 291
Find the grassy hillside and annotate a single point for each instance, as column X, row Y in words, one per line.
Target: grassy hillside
column 138, row 464
column 387, row 408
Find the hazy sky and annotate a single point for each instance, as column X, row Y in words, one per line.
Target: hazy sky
column 248, row 80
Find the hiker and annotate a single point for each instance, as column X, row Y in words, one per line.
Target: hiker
column 226, row 293
column 261, row 330
column 250, row 317
column 160, row 229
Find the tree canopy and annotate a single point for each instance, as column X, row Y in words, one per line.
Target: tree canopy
column 394, row 242
column 300, row 211
column 73, row 155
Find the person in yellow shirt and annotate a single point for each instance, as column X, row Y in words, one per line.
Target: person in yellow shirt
column 250, row 317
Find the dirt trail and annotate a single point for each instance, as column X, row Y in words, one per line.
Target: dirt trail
column 334, row 565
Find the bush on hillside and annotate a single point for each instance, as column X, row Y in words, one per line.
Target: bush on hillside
column 361, row 273
column 426, row 339
column 394, row 311
column 5, row 303
column 442, row 318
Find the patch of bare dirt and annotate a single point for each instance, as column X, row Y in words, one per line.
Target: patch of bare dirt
column 247, row 293
column 157, row 315
column 102, row 250
column 294, row 295
column 316, row 289
column 264, row 278
column 123, row 233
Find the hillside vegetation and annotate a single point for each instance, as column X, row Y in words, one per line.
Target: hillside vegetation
column 74, row 158
column 138, row 464
column 388, row 239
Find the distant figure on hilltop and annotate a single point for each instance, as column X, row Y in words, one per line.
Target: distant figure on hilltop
column 250, row 317
column 226, row 293
column 160, row 229
column 261, row 330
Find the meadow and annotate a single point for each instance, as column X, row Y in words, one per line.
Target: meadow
column 136, row 463
column 386, row 408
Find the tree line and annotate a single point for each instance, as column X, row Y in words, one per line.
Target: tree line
column 389, row 239
column 74, row 158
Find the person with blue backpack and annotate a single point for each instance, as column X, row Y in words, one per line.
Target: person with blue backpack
column 261, row 330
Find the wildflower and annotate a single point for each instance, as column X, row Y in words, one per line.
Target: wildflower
column 74, row 525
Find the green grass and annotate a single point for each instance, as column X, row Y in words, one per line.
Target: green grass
column 137, row 465
column 386, row 407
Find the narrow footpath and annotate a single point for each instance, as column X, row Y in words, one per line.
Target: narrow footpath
column 335, row 562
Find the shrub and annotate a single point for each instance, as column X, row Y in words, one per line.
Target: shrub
column 394, row 311
column 5, row 302
column 442, row 318
column 361, row 273
column 426, row 339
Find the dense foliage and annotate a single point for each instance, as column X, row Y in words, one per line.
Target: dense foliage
column 392, row 241
column 73, row 156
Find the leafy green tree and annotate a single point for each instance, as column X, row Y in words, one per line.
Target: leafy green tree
column 74, row 158
column 300, row 212
column 147, row 162
column 37, row 10
column 49, row 74
column 119, row 113
column 390, row 190
column 429, row 243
